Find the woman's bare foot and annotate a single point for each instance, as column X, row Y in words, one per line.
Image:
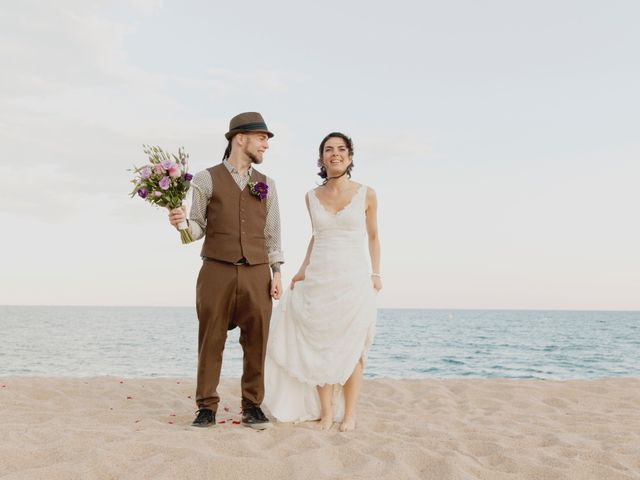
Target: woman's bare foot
column 326, row 421
column 325, row 392
column 348, row 424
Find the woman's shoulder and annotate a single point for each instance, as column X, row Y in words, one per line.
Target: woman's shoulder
column 366, row 190
column 370, row 196
column 309, row 195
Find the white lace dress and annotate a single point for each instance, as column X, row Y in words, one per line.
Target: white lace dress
column 325, row 324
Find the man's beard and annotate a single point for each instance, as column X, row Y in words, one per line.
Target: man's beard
column 252, row 157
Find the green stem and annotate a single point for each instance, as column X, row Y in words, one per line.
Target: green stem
column 185, row 236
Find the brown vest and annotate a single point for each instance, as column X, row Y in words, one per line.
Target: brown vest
column 235, row 220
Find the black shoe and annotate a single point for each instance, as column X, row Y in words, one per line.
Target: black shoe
column 204, row 418
column 253, row 417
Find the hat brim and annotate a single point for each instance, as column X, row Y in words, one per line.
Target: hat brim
column 259, row 129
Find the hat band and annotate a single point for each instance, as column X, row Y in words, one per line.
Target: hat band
column 251, row 126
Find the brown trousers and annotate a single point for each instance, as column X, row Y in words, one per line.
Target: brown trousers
column 230, row 295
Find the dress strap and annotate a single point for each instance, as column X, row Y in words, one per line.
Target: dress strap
column 312, row 197
column 363, row 194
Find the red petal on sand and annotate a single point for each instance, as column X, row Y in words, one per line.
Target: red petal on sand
column 121, row 381
column 189, row 396
column 136, row 421
column 172, row 415
column 226, row 409
column 170, row 423
column 236, row 422
column 4, row 386
column 129, row 398
column 222, row 421
column 178, row 383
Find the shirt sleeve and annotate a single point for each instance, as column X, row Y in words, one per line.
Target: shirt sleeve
column 202, row 190
column 272, row 227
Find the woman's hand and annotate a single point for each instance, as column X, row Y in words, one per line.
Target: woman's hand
column 377, row 282
column 298, row 277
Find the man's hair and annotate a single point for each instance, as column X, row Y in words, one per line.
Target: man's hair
column 227, row 151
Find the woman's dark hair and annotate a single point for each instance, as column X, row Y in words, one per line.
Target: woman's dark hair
column 348, row 142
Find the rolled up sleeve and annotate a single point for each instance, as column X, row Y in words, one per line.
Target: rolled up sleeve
column 272, row 227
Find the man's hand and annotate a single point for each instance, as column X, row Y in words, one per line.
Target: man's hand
column 177, row 216
column 276, row 286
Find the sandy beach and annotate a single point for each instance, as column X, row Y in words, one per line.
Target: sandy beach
column 114, row 428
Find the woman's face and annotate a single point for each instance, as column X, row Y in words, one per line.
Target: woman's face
column 335, row 156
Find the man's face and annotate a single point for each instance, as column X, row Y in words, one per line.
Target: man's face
column 255, row 145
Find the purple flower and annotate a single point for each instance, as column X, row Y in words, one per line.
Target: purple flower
column 146, row 172
column 164, row 183
column 143, row 192
column 259, row 189
column 166, row 164
column 188, row 177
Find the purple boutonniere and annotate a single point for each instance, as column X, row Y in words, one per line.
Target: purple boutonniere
column 259, row 189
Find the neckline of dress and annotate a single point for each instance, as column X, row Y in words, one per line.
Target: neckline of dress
column 335, row 214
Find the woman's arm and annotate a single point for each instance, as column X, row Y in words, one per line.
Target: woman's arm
column 374, row 240
column 301, row 271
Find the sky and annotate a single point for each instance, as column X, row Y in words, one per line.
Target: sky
column 501, row 137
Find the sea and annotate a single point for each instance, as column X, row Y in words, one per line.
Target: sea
column 161, row 342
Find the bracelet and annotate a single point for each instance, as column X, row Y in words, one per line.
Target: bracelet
column 376, row 275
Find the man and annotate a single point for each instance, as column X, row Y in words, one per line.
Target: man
column 241, row 229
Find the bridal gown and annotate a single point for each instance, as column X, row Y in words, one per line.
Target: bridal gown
column 325, row 325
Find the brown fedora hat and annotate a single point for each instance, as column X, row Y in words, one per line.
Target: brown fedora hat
column 247, row 122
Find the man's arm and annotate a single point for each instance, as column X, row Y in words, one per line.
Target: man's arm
column 273, row 239
column 202, row 192
column 272, row 228
column 202, row 189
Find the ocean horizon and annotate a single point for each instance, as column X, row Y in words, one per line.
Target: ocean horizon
column 130, row 341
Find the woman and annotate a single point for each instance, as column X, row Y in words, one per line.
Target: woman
column 324, row 326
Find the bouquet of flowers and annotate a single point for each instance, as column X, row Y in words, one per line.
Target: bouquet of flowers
column 164, row 181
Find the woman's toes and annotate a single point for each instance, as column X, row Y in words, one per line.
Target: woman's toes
column 347, row 425
column 325, row 423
